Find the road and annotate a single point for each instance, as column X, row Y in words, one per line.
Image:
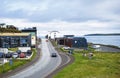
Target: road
column 44, row 66
column 66, row 60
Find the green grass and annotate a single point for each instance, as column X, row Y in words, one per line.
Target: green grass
column 63, row 50
column 34, row 54
column 53, row 43
column 102, row 65
column 16, row 63
column 13, row 49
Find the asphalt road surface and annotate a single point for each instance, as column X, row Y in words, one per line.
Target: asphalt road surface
column 44, row 66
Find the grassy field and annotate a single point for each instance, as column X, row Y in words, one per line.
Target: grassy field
column 16, row 63
column 102, row 65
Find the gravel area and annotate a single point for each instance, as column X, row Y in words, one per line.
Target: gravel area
column 105, row 48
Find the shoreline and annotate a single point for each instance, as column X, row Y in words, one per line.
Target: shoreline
column 112, row 46
column 110, row 41
column 106, row 48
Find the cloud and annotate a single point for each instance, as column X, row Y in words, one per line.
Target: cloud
column 79, row 28
column 26, row 6
column 65, row 10
column 67, row 16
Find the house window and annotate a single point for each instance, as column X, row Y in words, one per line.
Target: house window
column 75, row 42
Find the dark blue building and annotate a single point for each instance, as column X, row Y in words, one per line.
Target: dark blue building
column 66, row 36
column 75, row 42
column 79, row 42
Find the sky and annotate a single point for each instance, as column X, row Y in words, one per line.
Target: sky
column 77, row 17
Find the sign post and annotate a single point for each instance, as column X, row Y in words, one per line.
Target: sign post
column 11, row 62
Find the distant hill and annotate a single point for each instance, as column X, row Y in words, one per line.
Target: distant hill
column 115, row 34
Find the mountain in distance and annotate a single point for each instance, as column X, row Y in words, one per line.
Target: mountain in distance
column 111, row 34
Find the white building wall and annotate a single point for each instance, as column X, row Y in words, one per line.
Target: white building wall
column 4, row 50
column 24, row 49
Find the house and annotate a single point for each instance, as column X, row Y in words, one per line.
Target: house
column 75, row 42
column 60, row 40
column 33, row 32
column 12, row 40
column 79, row 42
column 66, row 36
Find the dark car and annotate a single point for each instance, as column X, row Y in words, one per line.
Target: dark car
column 8, row 55
column 18, row 51
column 2, row 55
column 29, row 52
column 53, row 54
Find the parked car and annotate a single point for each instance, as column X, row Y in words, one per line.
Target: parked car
column 29, row 52
column 18, row 51
column 46, row 40
column 8, row 55
column 53, row 54
column 66, row 48
column 15, row 55
column 22, row 55
column 2, row 55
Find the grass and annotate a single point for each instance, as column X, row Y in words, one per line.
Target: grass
column 102, row 65
column 34, row 54
column 53, row 43
column 63, row 50
column 16, row 63
column 13, row 49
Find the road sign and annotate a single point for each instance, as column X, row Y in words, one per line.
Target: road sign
column 11, row 62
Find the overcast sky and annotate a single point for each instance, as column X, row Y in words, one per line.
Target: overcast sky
column 76, row 17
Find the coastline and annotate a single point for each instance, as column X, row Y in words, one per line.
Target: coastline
column 106, row 48
column 112, row 46
column 111, row 41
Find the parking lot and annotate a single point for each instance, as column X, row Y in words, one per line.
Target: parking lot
column 6, row 56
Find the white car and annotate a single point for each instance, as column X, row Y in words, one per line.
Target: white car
column 66, row 48
column 15, row 55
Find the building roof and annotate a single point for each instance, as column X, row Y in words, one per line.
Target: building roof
column 68, row 35
column 34, row 29
column 14, row 34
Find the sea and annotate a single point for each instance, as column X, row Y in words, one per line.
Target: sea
column 106, row 40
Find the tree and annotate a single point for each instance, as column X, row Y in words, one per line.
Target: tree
column 46, row 36
column 1, row 25
column 8, row 28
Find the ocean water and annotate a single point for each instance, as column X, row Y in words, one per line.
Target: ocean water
column 107, row 40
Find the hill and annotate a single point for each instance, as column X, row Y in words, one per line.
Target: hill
column 112, row 34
